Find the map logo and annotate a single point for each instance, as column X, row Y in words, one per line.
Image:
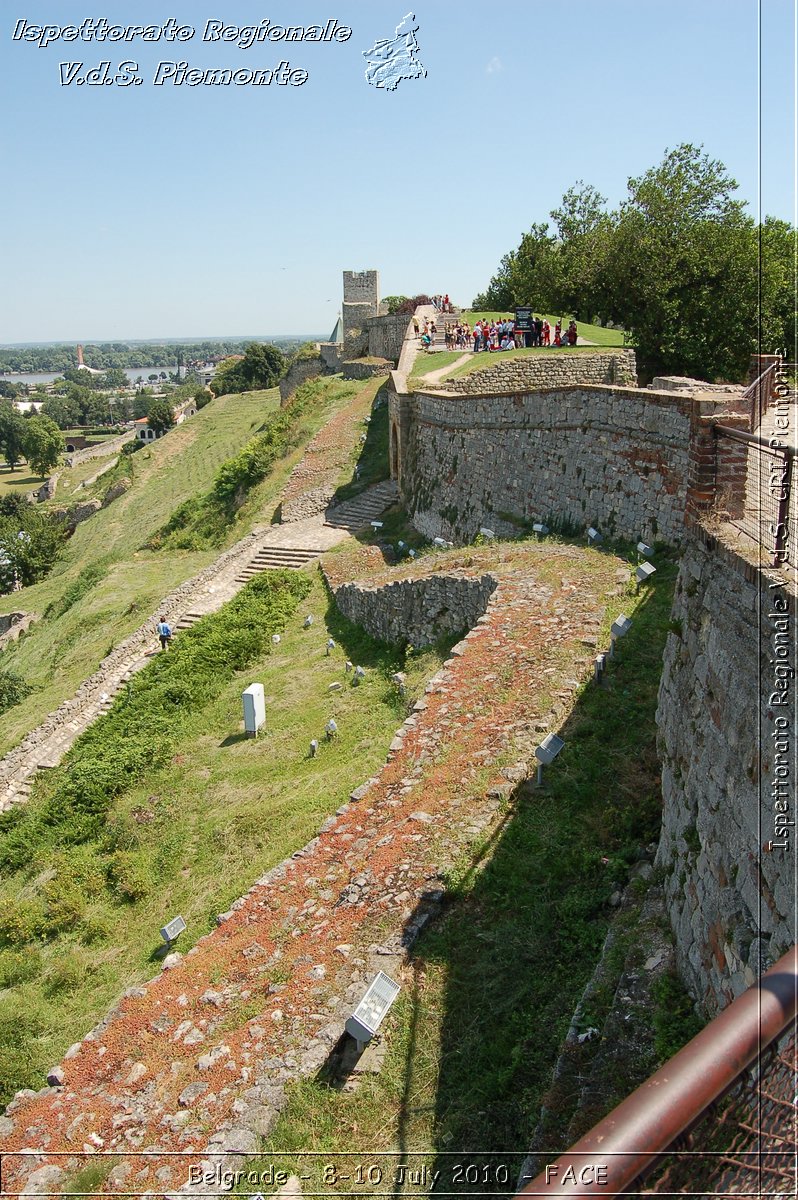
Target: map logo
column 390, row 60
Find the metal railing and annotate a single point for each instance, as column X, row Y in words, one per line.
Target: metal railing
column 754, row 491
column 719, row 1119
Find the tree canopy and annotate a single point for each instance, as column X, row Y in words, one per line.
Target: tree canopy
column 12, row 433
column 680, row 265
column 43, row 443
column 262, row 366
column 160, row 416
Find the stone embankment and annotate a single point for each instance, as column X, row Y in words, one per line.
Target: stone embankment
column 212, row 1041
column 562, row 368
column 417, row 611
column 102, row 450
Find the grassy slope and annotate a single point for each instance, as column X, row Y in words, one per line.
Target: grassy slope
column 202, row 827
column 58, row 653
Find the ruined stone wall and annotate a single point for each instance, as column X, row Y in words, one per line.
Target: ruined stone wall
column 562, row 368
column 365, row 370
column 298, row 372
column 614, row 458
column 418, row 611
column 731, row 898
column 387, row 335
column 101, row 450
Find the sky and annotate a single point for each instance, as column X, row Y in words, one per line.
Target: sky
column 175, row 211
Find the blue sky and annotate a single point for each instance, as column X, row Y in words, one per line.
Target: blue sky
column 176, row 211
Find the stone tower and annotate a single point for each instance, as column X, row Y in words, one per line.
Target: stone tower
column 361, row 301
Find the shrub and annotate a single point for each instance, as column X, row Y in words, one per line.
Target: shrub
column 129, row 877
column 21, row 921
column 18, row 966
column 13, row 689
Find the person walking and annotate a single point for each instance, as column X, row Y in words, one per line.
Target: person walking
column 164, row 633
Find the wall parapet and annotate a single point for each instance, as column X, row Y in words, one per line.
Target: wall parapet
column 562, row 368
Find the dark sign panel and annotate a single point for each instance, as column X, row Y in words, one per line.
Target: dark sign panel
column 523, row 320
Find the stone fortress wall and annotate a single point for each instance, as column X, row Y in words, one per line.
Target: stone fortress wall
column 729, row 876
column 616, row 458
column 639, row 463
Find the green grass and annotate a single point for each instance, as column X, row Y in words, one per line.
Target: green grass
column 425, row 363
column 59, row 652
column 157, row 813
column 371, row 458
column 473, row 1037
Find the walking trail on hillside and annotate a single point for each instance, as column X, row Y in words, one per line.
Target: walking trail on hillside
column 210, row 1043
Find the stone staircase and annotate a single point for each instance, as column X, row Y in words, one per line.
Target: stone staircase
column 354, row 514
column 277, row 558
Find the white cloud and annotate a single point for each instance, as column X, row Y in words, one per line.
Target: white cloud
column 494, row 66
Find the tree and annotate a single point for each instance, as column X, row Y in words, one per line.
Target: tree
column 394, row 303
column 42, row 444
column 30, row 542
column 262, row 366
column 778, row 257
column 682, row 268
column 115, row 378
column 62, row 410
column 12, row 433
column 160, row 416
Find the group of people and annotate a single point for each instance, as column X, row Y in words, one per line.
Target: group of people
column 427, row 334
column 442, row 303
column 495, row 335
column 504, row 335
column 541, row 333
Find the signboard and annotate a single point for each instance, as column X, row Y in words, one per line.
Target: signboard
column 523, row 320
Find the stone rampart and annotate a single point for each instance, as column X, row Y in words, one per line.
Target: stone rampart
column 562, row 368
column 387, row 335
column 615, row 458
column 726, row 730
column 298, row 372
column 102, row 450
column 365, row 369
column 417, row 611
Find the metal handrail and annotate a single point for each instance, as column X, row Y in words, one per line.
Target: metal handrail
column 753, row 439
column 628, row 1142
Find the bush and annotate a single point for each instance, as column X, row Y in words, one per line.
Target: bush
column 21, row 921
column 13, row 689
column 19, row 966
column 129, row 877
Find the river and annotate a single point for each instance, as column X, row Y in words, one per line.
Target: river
column 133, row 373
